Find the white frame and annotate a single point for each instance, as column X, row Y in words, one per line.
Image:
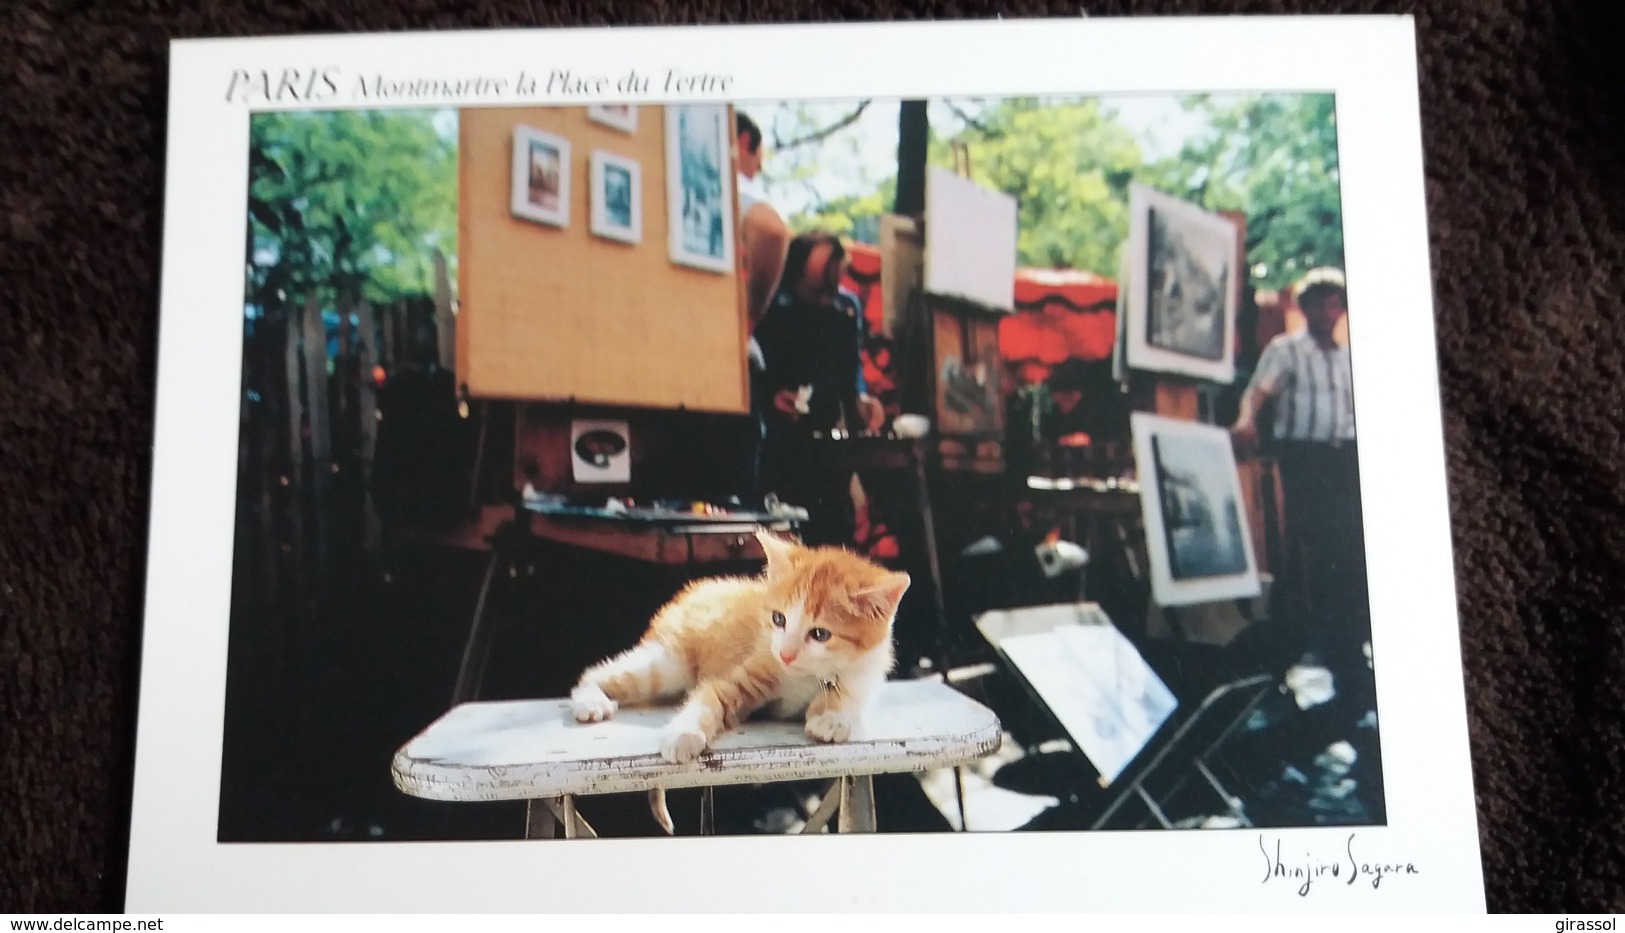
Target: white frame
column 619, row 468
column 1165, row 590
column 1142, row 354
column 601, row 161
column 519, row 195
column 602, row 113
column 176, row 863
column 674, row 192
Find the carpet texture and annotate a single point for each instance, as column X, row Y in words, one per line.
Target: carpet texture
column 1526, row 199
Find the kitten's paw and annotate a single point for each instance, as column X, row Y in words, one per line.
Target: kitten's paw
column 589, row 703
column 680, row 745
column 830, row 727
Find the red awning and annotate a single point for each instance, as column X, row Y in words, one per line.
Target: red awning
column 1037, row 289
column 1060, row 313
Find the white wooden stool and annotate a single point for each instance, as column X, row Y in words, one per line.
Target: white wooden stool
column 533, row 750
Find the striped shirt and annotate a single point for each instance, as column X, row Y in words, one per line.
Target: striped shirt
column 1313, row 388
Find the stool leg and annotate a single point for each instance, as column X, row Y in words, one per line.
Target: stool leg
column 708, row 812
column 567, row 815
column 857, row 805
column 539, row 820
column 826, row 808
column 959, row 795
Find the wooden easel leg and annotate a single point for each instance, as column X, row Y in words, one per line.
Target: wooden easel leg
column 928, row 530
column 478, row 647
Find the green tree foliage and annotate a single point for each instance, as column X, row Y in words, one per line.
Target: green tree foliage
column 1069, row 164
column 348, row 203
column 855, row 217
column 1275, row 159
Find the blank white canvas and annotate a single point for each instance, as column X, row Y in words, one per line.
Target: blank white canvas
column 970, row 241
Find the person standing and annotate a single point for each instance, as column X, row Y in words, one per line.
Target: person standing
column 763, row 236
column 809, row 386
column 1306, row 380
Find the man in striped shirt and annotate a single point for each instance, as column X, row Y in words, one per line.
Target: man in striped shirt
column 1306, row 378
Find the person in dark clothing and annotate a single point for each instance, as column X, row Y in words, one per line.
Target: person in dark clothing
column 808, row 386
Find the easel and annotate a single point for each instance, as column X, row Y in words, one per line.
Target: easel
column 1197, row 740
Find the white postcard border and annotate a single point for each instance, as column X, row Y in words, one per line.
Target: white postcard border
column 175, row 863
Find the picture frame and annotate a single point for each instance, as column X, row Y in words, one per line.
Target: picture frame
column 1181, row 306
column 623, row 117
column 1198, row 543
column 616, row 197
column 699, row 187
column 541, row 177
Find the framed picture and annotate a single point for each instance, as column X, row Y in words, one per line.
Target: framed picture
column 1196, row 533
column 699, row 186
column 617, row 197
column 541, row 177
column 1182, row 303
column 600, row 452
column 623, row 117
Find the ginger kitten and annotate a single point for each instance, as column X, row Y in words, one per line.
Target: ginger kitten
column 811, row 635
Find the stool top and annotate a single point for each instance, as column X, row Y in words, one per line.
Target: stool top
column 524, row 749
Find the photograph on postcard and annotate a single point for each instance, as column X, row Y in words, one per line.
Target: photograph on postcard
column 541, row 177
column 699, row 185
column 1183, row 314
column 543, row 536
column 623, row 117
column 1190, row 493
column 617, row 197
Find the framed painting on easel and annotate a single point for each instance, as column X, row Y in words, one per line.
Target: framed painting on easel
column 1181, row 306
column 1197, row 534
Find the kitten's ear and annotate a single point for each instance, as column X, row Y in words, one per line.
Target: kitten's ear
column 777, row 550
column 883, row 598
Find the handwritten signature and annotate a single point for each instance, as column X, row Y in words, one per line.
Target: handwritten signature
column 1315, row 868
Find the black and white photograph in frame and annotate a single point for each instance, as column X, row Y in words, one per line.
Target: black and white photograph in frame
column 1197, row 539
column 541, row 177
column 1182, row 308
column 699, row 186
column 617, row 197
column 623, row 117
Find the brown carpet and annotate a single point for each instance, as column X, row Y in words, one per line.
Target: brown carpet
column 1526, row 196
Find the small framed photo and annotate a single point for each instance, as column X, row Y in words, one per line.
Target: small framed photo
column 541, row 177
column 623, row 117
column 1196, row 533
column 617, row 197
column 699, row 186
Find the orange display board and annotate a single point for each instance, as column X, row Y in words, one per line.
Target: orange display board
column 553, row 312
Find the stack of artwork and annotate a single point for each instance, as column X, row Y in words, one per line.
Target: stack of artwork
column 1177, row 316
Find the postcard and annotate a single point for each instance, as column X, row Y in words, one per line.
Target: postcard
column 888, row 467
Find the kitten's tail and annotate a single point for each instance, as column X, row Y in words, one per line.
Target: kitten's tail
column 657, row 806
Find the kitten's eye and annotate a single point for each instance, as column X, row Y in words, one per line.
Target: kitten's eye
column 778, row 620
column 819, row 634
